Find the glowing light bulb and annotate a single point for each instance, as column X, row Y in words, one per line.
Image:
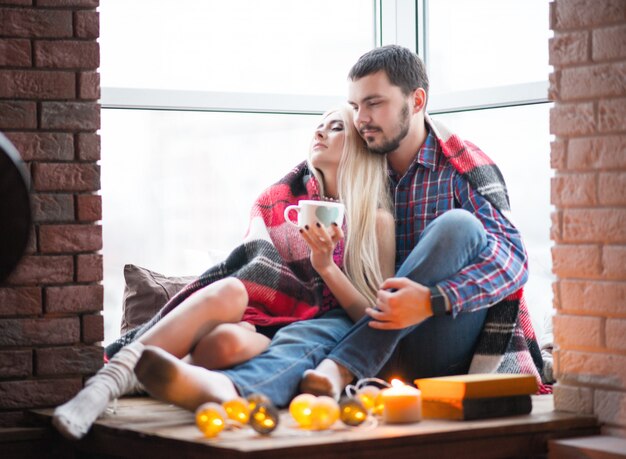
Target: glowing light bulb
column 300, row 409
column 367, row 395
column 324, row 413
column 264, row 418
column 255, row 399
column 379, row 404
column 352, row 412
column 210, row 419
column 237, row 409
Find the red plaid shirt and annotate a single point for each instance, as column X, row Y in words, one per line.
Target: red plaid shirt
column 432, row 186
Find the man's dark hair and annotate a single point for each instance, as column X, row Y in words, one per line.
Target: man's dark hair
column 403, row 67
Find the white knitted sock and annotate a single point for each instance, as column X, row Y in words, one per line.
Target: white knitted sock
column 74, row 418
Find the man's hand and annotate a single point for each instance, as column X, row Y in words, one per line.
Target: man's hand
column 408, row 305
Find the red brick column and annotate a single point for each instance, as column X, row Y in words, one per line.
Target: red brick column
column 50, row 307
column 588, row 86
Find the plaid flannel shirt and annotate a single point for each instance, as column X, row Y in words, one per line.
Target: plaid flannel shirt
column 430, row 187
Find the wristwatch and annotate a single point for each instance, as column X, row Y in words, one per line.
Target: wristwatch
column 438, row 302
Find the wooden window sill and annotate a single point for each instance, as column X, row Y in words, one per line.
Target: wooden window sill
column 143, row 427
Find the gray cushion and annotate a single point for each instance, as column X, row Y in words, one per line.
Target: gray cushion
column 145, row 293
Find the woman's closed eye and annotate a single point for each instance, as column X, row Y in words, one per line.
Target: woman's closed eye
column 337, row 127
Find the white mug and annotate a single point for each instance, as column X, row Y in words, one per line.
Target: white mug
column 311, row 212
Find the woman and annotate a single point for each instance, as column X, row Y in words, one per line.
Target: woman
column 229, row 314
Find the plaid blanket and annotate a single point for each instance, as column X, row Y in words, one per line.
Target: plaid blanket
column 508, row 343
column 272, row 262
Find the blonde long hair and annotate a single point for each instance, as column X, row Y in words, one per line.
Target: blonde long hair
column 362, row 184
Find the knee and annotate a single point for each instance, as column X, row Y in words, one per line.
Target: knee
column 228, row 294
column 232, row 290
column 223, row 343
column 458, row 226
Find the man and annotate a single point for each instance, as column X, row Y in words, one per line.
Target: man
column 455, row 304
column 457, row 252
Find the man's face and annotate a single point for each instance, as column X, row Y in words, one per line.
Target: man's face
column 381, row 112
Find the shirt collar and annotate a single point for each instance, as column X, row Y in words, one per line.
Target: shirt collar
column 427, row 154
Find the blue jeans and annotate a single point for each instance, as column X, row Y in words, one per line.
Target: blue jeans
column 295, row 348
column 441, row 345
column 438, row 346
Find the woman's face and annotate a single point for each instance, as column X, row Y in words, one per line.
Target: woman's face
column 327, row 142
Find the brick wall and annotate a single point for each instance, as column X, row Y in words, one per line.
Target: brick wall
column 588, row 86
column 50, row 307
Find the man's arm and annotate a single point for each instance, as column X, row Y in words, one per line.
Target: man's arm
column 500, row 269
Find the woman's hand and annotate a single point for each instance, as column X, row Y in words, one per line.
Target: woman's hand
column 322, row 242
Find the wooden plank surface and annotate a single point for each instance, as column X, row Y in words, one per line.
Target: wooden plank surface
column 596, row 447
column 143, row 427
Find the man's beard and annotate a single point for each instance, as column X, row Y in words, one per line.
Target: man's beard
column 392, row 144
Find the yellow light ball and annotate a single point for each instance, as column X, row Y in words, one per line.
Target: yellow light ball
column 300, row 409
column 264, row 418
column 324, row 413
column 352, row 412
column 237, row 409
column 379, row 404
column 211, row 419
column 367, row 395
column 255, row 399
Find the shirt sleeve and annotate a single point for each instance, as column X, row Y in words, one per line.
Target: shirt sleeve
column 500, row 269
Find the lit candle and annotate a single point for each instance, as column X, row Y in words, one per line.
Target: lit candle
column 402, row 403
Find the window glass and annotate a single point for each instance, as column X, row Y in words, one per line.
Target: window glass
column 177, row 187
column 518, row 140
column 273, row 46
column 484, row 43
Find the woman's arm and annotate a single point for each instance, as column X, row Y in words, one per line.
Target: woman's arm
column 322, row 244
column 386, row 238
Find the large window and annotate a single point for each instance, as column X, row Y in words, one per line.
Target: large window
column 207, row 102
column 486, row 44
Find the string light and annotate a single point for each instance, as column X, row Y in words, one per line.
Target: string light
column 255, row 399
column 374, row 406
column 300, row 409
column 367, row 395
column 324, row 412
column 264, row 418
column 379, row 404
column 237, row 409
column 352, row 412
column 211, row 419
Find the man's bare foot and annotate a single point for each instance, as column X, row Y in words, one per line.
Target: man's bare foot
column 329, row 378
column 169, row 379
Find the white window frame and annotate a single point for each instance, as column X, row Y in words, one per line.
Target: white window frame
column 494, row 97
column 405, row 23
column 402, row 22
column 181, row 100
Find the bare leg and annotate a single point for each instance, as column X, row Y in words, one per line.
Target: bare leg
column 167, row 378
column 178, row 332
column 329, row 378
column 228, row 345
